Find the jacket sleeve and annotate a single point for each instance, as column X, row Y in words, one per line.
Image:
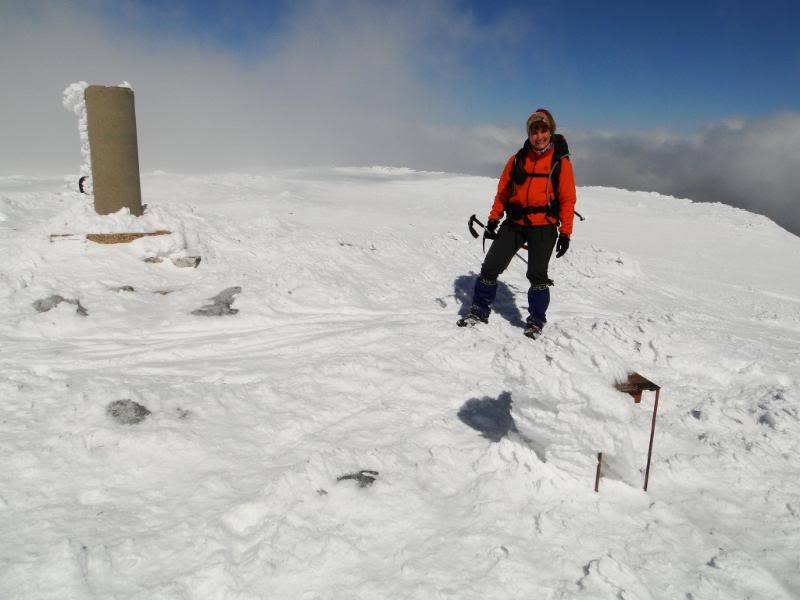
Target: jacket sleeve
column 503, row 192
column 566, row 197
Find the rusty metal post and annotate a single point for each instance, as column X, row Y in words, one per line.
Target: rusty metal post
column 652, row 435
column 111, row 121
column 597, row 474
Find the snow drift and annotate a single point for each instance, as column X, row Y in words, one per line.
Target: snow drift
column 344, row 356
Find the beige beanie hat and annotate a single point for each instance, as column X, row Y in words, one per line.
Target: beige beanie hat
column 542, row 115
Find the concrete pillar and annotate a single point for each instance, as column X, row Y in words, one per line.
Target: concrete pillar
column 111, row 123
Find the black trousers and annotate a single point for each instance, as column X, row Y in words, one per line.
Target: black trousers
column 541, row 240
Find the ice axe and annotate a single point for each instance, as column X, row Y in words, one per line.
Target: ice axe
column 473, row 220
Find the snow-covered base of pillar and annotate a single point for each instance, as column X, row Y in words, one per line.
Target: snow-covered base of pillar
column 344, row 357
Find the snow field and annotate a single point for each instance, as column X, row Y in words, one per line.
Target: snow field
column 344, row 356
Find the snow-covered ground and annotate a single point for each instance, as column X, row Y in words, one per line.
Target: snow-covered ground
column 344, row 356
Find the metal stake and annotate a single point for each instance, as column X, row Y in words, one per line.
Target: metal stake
column 652, row 435
column 597, row 475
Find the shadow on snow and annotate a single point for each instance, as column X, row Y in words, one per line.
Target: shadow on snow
column 490, row 416
column 504, row 304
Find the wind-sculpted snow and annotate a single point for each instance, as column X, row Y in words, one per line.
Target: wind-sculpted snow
column 73, row 100
column 344, row 359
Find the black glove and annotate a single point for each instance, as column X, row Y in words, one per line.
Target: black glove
column 562, row 245
column 491, row 228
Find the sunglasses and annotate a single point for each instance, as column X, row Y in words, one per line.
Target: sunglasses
column 538, row 128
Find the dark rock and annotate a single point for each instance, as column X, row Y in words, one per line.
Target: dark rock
column 127, row 412
column 364, row 478
column 220, row 304
column 186, row 261
column 49, row 303
column 768, row 420
column 45, row 304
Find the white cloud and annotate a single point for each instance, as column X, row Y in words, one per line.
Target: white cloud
column 342, row 83
column 750, row 163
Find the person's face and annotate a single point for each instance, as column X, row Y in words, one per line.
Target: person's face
column 539, row 136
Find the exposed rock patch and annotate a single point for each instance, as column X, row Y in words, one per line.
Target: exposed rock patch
column 364, row 478
column 220, row 304
column 49, row 303
column 127, row 412
column 190, row 262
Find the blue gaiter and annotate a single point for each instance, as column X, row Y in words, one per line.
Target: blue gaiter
column 538, row 301
column 483, row 296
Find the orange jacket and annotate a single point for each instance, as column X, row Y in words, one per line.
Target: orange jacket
column 536, row 191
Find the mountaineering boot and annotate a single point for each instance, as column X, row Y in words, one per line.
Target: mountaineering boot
column 533, row 331
column 471, row 320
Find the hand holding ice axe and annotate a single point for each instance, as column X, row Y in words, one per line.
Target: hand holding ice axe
column 489, row 232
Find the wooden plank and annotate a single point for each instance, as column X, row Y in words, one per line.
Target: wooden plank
column 107, row 238
column 122, row 238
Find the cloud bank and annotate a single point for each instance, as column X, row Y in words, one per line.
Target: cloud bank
column 346, row 83
column 752, row 164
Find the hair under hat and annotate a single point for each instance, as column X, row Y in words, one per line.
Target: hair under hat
column 542, row 115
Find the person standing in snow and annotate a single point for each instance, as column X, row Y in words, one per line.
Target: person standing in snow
column 537, row 194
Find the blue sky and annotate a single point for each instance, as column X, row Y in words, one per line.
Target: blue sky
column 603, row 64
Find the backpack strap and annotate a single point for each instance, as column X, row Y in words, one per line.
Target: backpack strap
column 518, row 173
column 560, row 152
